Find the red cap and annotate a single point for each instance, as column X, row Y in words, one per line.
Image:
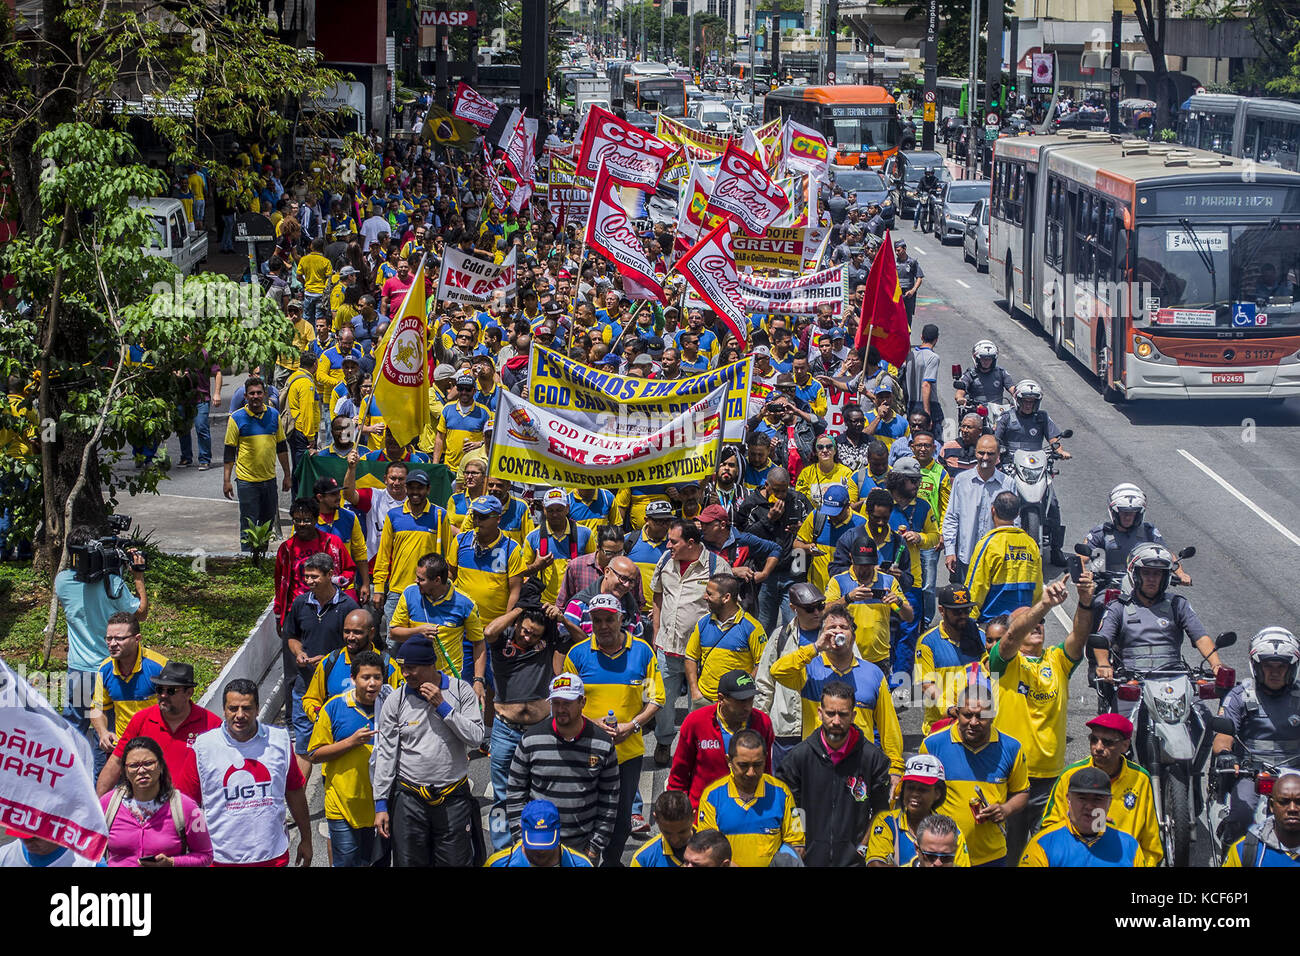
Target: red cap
column 1116, row 722
column 714, row 513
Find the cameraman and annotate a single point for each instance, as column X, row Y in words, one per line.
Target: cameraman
column 89, row 597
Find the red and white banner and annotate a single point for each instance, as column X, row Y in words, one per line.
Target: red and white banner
column 47, row 788
column 520, row 196
column 500, row 198
column 631, row 157
column 710, row 269
column 467, row 278
column 796, row 295
column 610, row 234
column 744, row 192
column 508, row 130
column 519, row 150
column 473, row 107
column 692, row 220
column 806, row 150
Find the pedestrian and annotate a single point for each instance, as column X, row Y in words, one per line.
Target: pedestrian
column 540, row 843
column 752, row 808
column 946, row 654
column 254, row 440
column 150, row 822
column 124, row 684
column 970, row 508
column 423, row 801
column 776, row 513
column 723, row 640
column 784, row 705
column 675, row 818
column 896, row 832
column 700, row 757
column 1085, row 837
column 1006, row 568
column 410, row 530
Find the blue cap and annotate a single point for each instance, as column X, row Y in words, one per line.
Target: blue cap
column 540, row 822
column 418, row 477
column 485, row 505
column 838, row 332
column 834, row 500
column 418, row 651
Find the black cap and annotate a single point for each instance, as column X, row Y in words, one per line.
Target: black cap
column 737, row 684
column 174, row 674
column 417, row 478
column 953, row 597
column 1090, row 780
column 864, row 552
column 324, row 486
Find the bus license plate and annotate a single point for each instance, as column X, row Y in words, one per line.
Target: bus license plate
column 1228, row 378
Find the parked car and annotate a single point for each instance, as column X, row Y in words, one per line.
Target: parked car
column 975, row 239
column 714, row 116
column 172, row 239
column 955, row 204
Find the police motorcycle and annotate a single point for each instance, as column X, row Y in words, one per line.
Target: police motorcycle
column 928, row 200
column 1034, row 472
column 1171, row 735
column 1255, row 759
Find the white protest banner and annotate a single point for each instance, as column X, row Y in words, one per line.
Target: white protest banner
column 795, row 295
column 467, row 278
column 46, row 785
column 633, row 158
column 806, row 149
column 710, row 269
column 610, row 233
column 512, row 121
column 744, row 192
column 474, row 107
column 519, row 150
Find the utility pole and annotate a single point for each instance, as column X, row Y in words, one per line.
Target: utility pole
column 1116, row 39
column 974, row 127
column 776, row 42
column 832, row 27
column 993, row 60
column 663, row 20
column 1013, row 51
column 931, row 74
column 441, row 80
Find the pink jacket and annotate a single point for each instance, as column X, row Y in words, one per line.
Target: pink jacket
column 129, row 839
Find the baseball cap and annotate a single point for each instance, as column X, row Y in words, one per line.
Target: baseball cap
column 806, row 595
column 924, row 768
column 324, row 486
column 837, row 332
column 566, row 687
column 444, row 372
column 485, row 505
column 737, row 684
column 540, row 823
column 604, row 602
column 417, row 478
column 900, row 243
column 611, row 359
column 1116, row 722
column 907, row 467
column 864, row 552
column 1090, row 780
column 762, row 350
column 348, row 271
column 953, row 597
column 834, row 500
column 886, row 384
column 418, row 651
column 713, row 513
column 555, row 496
column 464, row 381
column 643, row 359
column 659, row 509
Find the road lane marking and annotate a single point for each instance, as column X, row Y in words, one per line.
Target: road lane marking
column 962, row 284
column 921, row 251
column 1277, row 525
column 1064, row 618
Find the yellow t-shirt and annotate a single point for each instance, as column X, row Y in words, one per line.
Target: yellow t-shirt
column 1032, row 697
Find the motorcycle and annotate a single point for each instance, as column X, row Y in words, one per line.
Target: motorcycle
column 1171, row 735
column 1220, row 784
column 927, row 203
column 1033, row 473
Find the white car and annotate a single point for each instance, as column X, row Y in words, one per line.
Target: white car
column 173, row 239
column 714, row 116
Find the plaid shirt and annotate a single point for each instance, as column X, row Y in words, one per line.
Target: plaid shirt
column 579, row 574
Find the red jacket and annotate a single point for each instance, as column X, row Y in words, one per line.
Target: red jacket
column 288, row 568
column 701, row 755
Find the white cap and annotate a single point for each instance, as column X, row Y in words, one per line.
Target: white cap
column 604, row 602
column 555, row 496
column 566, row 687
column 659, row 509
column 924, row 768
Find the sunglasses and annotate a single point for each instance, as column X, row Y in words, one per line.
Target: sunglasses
column 168, row 691
column 936, row 857
column 819, row 606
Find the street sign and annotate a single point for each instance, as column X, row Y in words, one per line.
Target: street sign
column 830, row 76
column 448, row 18
column 1114, row 76
column 992, row 120
column 929, row 96
column 990, row 133
column 928, row 115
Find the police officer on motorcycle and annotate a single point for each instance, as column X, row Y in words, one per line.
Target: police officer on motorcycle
column 1027, row 428
column 983, row 382
column 1126, row 529
column 1146, row 626
column 928, row 183
column 1265, row 709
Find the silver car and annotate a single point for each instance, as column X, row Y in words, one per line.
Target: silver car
column 955, row 204
column 975, row 238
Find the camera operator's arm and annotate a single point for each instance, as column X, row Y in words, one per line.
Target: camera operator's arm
column 137, row 577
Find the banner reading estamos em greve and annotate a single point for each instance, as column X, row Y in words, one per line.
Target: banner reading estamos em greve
column 542, row 446
column 600, row 399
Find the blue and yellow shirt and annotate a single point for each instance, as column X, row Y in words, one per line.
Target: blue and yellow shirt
column 516, row 520
column 721, row 646
column 457, row 619
column 942, row 662
column 756, row 829
column 890, row 838
column 458, row 426
column 484, row 573
column 631, row 501
column 127, row 694
column 347, row 526
column 620, row 682
column 1006, row 572
column 348, row 795
column 596, row 513
column 1061, row 845
column 997, row 770
column 812, row 392
column 656, row 853
column 255, row 439
column 870, row 615
column 515, row 856
column 645, row 554
column 1132, row 805
column 333, row 676
column 808, row 672
column 406, row 538
column 1265, row 855
column 825, row 538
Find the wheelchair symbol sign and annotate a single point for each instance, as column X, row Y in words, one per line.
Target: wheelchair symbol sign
column 1243, row 314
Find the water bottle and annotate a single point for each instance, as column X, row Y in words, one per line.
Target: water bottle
column 611, row 721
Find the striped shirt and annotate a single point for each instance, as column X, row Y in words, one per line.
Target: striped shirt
column 579, row 776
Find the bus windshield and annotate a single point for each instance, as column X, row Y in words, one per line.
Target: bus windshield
column 1222, row 276
column 852, row 134
column 666, row 95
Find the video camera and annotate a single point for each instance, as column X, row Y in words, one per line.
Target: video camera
column 98, row 558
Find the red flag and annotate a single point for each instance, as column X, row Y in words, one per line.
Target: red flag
column 632, row 157
column 610, row 234
column 710, row 269
column 744, row 192
column 883, row 322
column 472, row 106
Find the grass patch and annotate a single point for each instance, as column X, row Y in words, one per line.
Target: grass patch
column 197, row 616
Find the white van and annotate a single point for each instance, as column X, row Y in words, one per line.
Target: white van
column 172, row 238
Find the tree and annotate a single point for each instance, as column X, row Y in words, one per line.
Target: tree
column 74, row 78
column 1275, row 25
column 1153, row 20
column 954, row 33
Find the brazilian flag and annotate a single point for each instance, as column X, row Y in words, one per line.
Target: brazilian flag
column 442, row 128
column 370, row 474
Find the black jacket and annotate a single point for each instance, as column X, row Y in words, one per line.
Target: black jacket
column 838, row 800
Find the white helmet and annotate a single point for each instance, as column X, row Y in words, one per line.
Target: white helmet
column 1029, row 389
column 984, row 349
column 1149, row 555
column 1127, row 497
column 1275, row 644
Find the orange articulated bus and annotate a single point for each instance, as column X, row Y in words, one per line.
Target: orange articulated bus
column 859, row 121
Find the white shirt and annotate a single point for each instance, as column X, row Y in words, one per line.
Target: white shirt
column 370, row 230
column 243, row 785
column 15, row 855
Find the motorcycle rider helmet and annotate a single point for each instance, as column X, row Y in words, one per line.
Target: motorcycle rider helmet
column 1029, row 389
column 1275, row 644
column 1127, row 497
column 985, row 350
column 1149, row 556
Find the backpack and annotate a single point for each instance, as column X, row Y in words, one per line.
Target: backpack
column 336, row 656
column 174, row 801
column 1249, row 850
column 282, row 406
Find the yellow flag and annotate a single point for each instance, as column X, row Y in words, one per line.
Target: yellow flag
column 402, row 367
